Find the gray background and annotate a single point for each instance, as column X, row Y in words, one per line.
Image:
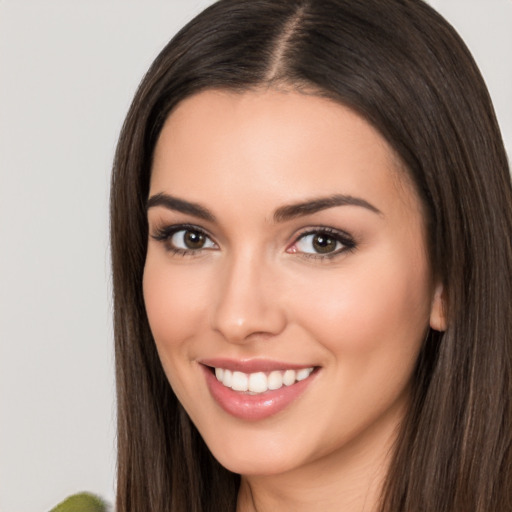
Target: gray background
column 68, row 70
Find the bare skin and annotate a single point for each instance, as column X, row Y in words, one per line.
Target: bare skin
column 235, row 271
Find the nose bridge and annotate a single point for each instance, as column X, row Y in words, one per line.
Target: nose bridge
column 247, row 298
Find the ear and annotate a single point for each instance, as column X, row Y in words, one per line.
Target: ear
column 438, row 309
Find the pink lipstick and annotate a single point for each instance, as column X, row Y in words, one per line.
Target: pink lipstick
column 255, row 389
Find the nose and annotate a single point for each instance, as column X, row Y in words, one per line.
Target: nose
column 247, row 305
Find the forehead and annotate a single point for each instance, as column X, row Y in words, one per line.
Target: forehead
column 276, row 144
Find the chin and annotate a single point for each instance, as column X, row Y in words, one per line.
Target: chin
column 251, row 465
column 256, row 452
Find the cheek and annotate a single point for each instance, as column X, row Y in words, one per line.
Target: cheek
column 357, row 311
column 174, row 301
column 175, row 306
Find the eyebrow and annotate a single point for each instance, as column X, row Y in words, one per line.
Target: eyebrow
column 282, row 214
column 180, row 205
column 291, row 211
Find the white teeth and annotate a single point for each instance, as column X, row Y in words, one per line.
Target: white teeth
column 227, row 378
column 289, row 377
column 275, row 380
column 240, row 381
column 260, row 382
column 304, row 373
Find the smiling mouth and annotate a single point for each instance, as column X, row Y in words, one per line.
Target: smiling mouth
column 260, row 382
column 255, row 390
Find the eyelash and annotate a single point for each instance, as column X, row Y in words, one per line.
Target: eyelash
column 165, row 233
column 347, row 242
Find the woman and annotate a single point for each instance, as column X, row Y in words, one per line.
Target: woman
column 311, row 220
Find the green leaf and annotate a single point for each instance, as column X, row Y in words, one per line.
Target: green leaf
column 82, row 502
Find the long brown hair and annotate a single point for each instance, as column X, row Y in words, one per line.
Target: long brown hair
column 405, row 70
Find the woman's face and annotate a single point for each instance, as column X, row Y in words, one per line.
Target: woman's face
column 286, row 254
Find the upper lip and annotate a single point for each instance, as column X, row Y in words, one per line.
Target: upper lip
column 252, row 365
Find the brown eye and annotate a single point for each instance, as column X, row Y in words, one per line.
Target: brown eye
column 324, row 243
column 194, row 239
column 189, row 239
column 318, row 243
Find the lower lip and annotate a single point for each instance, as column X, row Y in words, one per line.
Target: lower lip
column 254, row 407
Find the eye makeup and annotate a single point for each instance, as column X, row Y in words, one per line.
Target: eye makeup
column 319, row 242
column 322, row 242
column 184, row 239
